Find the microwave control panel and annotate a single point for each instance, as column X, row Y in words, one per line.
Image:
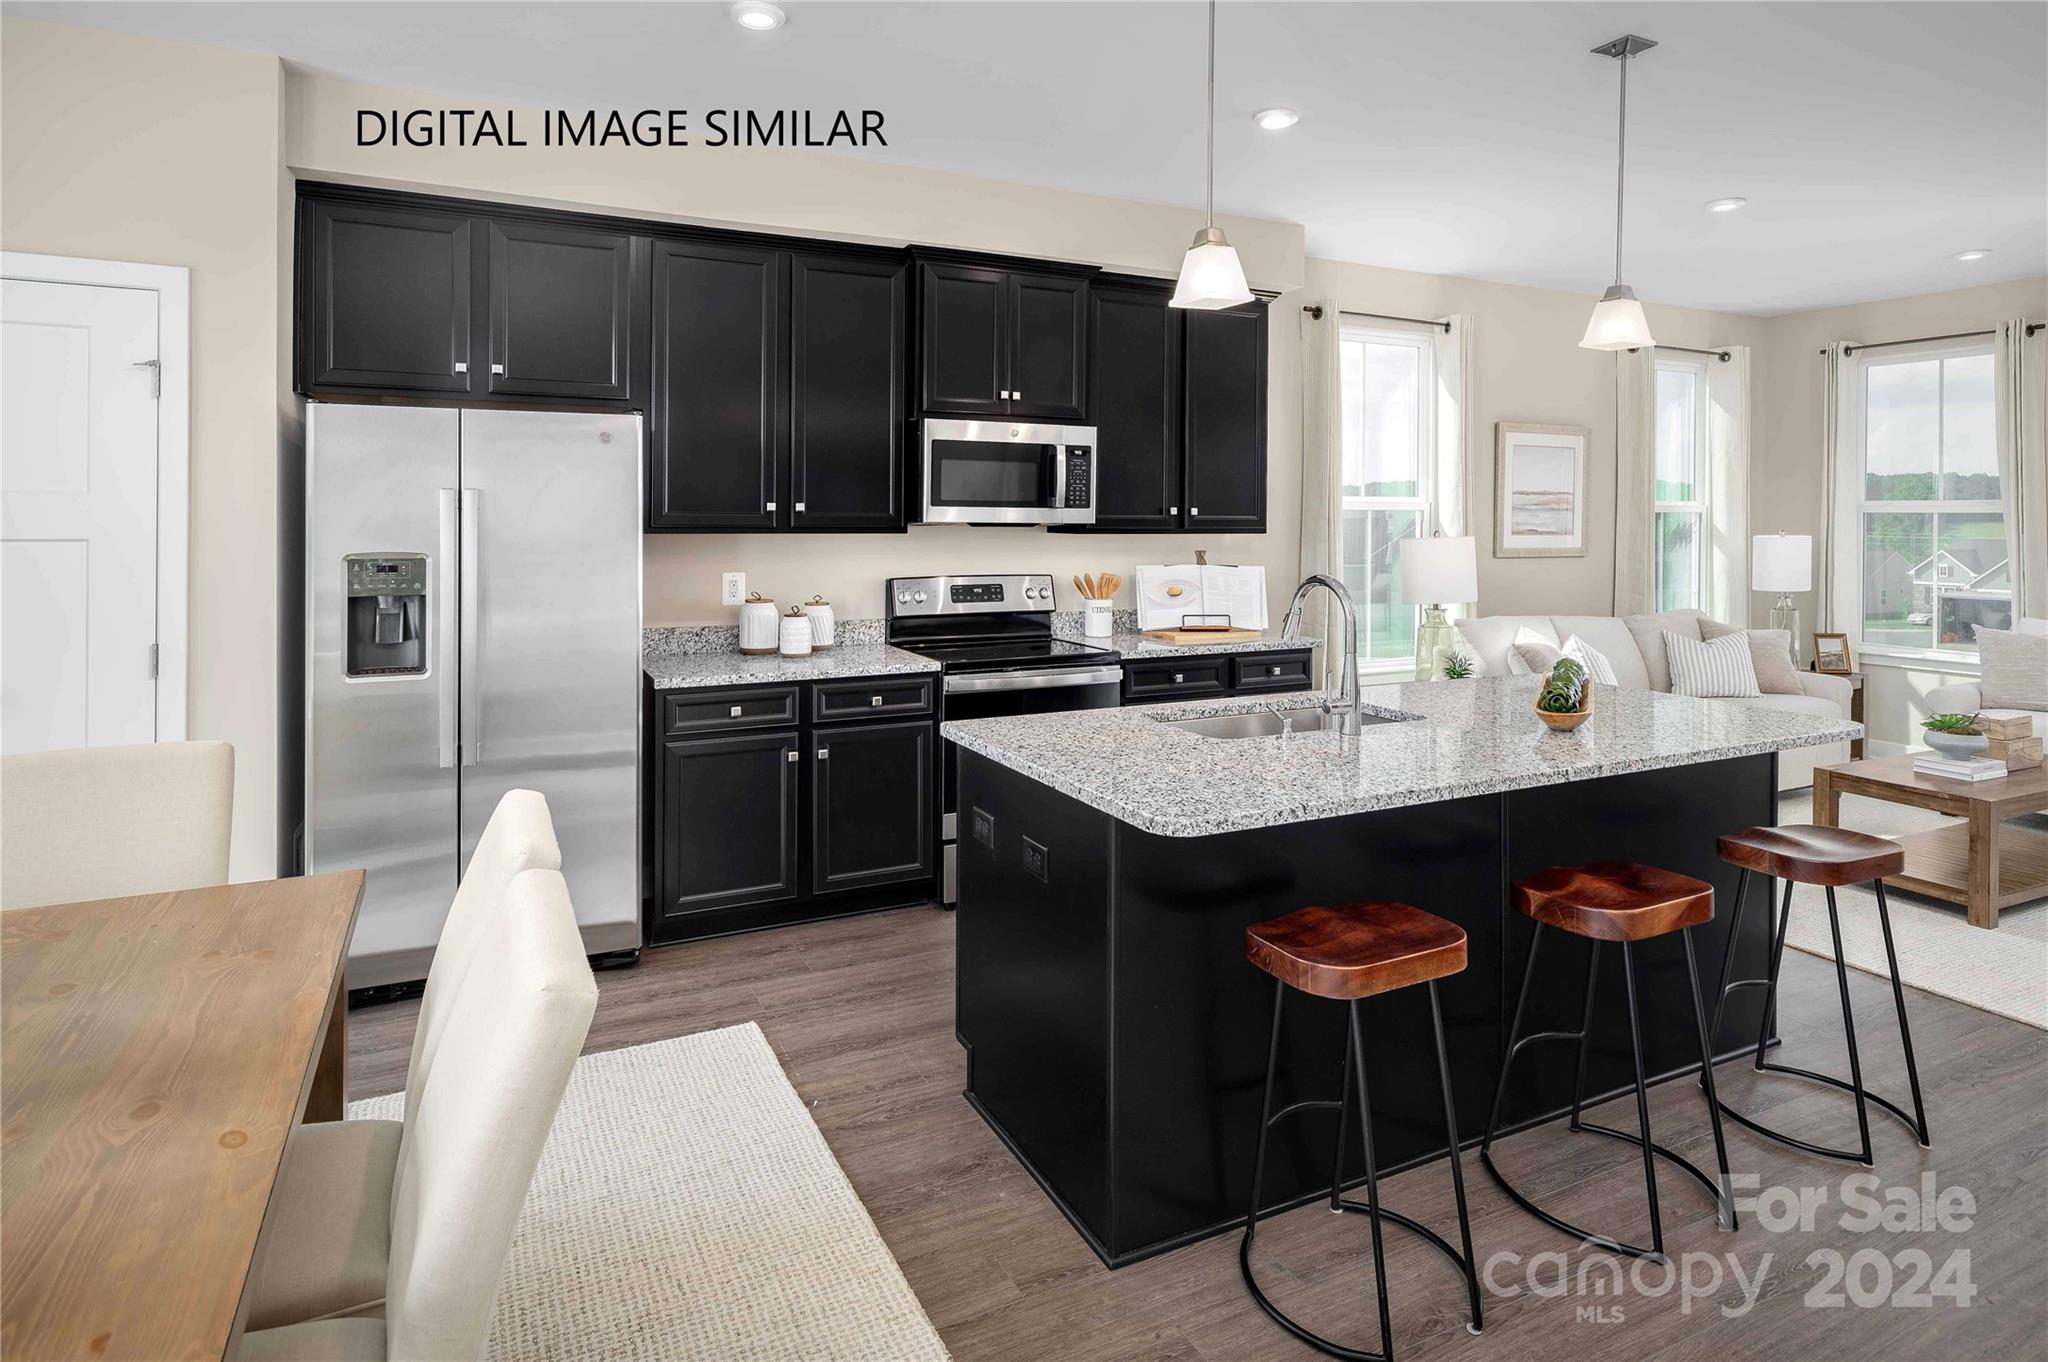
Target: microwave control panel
column 1080, row 478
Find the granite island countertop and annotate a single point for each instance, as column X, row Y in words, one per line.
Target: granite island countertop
column 1453, row 739
column 1135, row 647
column 687, row 658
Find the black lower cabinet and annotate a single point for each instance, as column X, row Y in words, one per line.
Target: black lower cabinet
column 768, row 807
column 871, row 798
column 730, row 823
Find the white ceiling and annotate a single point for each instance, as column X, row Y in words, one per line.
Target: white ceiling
column 1871, row 140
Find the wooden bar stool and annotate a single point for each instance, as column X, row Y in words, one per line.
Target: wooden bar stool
column 1624, row 902
column 1350, row 953
column 1802, row 853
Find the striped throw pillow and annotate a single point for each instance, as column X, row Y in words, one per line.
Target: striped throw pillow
column 1592, row 659
column 1716, row 670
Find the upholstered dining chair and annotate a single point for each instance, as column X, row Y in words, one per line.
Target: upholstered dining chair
column 106, row 822
column 387, row 1239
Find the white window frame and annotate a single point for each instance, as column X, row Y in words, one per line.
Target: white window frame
column 1702, row 480
column 1420, row 339
column 1852, row 506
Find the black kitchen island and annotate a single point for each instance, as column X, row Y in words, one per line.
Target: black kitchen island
column 1111, row 861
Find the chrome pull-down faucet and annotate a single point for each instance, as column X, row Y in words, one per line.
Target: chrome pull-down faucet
column 1347, row 711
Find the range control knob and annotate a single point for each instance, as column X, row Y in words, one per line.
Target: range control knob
column 903, row 598
column 919, row 598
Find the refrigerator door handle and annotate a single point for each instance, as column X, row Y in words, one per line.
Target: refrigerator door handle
column 472, row 621
column 446, row 664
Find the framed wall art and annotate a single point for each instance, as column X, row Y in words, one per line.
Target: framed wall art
column 1539, row 493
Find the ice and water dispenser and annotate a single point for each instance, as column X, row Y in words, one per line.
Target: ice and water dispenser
column 387, row 614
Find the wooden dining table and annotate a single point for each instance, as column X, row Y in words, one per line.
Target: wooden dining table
column 155, row 1051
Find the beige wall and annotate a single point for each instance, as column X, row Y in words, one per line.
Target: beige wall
column 1785, row 488
column 124, row 148
column 1527, row 366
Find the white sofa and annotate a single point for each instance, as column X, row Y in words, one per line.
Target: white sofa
column 1616, row 639
column 1968, row 698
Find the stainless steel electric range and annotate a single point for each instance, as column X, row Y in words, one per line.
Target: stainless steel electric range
column 993, row 638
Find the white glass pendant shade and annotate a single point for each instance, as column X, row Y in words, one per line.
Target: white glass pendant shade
column 1211, row 275
column 1618, row 322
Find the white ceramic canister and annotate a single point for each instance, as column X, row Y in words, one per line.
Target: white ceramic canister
column 796, row 633
column 758, row 624
column 1095, row 618
column 818, row 611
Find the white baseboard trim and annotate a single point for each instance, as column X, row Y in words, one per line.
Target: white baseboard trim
column 1878, row 747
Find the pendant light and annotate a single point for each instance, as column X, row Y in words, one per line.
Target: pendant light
column 1210, row 275
column 1618, row 322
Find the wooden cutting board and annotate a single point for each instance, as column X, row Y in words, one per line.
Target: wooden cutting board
column 1190, row 638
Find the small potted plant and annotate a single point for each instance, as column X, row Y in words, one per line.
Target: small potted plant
column 1457, row 666
column 1565, row 701
column 1955, row 735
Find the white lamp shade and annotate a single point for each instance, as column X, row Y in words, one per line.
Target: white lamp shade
column 1781, row 562
column 1439, row 571
column 1618, row 323
column 1211, row 276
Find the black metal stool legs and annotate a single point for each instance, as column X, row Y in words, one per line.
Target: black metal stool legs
column 1516, row 1040
column 1354, row 1067
column 1864, row 1155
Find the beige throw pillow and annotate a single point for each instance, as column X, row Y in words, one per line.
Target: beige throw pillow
column 2015, row 670
column 1649, row 631
column 1534, row 652
column 1770, row 651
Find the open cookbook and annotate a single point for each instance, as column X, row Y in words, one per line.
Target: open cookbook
column 1173, row 594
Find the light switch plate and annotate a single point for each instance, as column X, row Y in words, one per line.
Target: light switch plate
column 734, row 591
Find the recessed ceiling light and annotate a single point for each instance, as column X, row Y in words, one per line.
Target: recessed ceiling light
column 1974, row 253
column 1724, row 205
column 758, row 15
column 1273, row 120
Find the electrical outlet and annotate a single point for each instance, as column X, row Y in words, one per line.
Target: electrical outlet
column 985, row 828
column 1034, row 860
column 735, row 589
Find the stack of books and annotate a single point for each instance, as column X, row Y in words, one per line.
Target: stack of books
column 1958, row 768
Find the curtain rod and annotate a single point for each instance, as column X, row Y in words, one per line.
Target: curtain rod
column 1721, row 355
column 2032, row 327
column 1316, row 310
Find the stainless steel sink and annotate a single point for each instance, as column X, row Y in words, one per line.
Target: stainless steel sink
column 1264, row 723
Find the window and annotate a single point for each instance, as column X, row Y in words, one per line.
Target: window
column 1389, row 420
column 1680, row 526
column 1929, row 522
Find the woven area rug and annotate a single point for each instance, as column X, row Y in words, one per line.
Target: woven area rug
column 2003, row 970
column 687, row 1207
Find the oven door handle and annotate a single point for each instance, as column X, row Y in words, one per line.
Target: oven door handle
column 1039, row 680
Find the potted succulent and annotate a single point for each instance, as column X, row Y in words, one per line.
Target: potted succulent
column 1457, row 666
column 1955, row 735
column 1565, row 701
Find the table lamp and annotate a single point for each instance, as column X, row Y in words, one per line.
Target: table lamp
column 1782, row 563
column 1436, row 572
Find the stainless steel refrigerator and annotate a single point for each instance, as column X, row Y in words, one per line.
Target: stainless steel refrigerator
column 472, row 627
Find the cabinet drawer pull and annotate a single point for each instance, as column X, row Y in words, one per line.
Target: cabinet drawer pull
column 462, row 366
column 497, row 368
column 874, row 700
column 791, row 755
column 1178, row 678
column 1272, row 671
column 736, row 711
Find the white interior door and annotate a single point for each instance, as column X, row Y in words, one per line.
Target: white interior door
column 78, row 515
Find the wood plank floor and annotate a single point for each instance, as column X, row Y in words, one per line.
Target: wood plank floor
column 860, row 1012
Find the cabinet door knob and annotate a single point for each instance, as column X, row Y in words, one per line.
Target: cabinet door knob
column 791, row 756
column 799, row 506
column 462, row 366
column 497, row 368
column 1194, row 510
column 768, row 506
column 1173, row 510
column 824, row 752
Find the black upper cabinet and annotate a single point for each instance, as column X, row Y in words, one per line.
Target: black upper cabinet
column 1136, row 344
column 1048, row 346
column 998, row 342
column 1225, row 411
column 386, row 300
column 561, row 311
column 965, row 341
column 718, row 427
column 848, row 331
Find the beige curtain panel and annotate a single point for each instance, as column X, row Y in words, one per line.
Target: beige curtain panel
column 2022, row 407
column 1728, row 487
column 1635, row 469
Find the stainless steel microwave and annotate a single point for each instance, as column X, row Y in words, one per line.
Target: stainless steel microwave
column 1008, row 473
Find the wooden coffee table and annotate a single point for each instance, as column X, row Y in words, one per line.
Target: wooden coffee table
column 1982, row 864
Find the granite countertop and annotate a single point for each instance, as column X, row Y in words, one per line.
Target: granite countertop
column 1457, row 738
column 685, row 658
column 1137, row 648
